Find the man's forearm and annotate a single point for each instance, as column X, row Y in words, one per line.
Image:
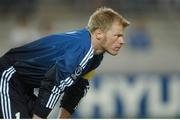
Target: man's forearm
column 64, row 113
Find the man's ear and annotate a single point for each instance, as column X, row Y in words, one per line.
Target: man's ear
column 99, row 34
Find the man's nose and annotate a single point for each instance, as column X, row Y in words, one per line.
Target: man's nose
column 122, row 41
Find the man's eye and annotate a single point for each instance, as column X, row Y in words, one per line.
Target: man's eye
column 119, row 35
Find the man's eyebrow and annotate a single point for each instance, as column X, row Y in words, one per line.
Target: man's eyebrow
column 119, row 34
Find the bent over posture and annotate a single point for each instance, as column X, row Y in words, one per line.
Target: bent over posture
column 55, row 64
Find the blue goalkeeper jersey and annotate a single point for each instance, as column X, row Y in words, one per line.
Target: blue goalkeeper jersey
column 61, row 58
column 52, row 64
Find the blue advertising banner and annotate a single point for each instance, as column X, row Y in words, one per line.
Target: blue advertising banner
column 132, row 96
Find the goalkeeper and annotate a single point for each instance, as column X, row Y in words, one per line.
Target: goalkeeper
column 55, row 64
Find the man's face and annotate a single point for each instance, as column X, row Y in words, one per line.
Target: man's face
column 113, row 39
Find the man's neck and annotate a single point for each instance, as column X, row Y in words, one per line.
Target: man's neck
column 96, row 45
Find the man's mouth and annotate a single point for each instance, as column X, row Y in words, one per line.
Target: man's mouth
column 117, row 48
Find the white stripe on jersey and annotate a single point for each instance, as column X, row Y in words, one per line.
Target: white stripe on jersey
column 4, row 92
column 56, row 91
column 88, row 56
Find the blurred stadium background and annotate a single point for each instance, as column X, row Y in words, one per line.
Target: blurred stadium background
column 143, row 81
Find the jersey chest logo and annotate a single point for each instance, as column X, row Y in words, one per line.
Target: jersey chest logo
column 77, row 73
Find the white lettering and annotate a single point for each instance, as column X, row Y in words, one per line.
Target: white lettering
column 131, row 94
column 156, row 106
column 101, row 97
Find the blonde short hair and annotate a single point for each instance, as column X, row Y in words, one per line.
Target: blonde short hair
column 103, row 18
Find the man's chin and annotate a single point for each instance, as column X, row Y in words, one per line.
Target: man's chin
column 114, row 53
